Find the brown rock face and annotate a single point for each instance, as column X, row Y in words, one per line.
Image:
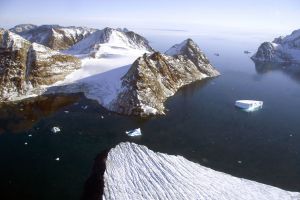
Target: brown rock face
column 153, row 78
column 25, row 66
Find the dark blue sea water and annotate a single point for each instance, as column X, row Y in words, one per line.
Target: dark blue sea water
column 202, row 125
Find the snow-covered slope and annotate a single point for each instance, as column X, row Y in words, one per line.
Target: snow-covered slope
column 135, row 172
column 140, row 88
column 110, row 43
column 25, row 66
column 22, row 28
column 55, row 36
column 153, row 78
column 281, row 50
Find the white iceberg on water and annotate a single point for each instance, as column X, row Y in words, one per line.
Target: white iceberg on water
column 134, row 132
column 249, row 105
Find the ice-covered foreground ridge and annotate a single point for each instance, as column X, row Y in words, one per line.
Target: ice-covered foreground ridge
column 135, row 172
column 281, row 50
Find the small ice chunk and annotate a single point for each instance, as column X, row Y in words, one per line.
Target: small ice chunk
column 29, row 135
column 84, row 107
column 102, row 117
column 66, row 111
column 240, row 162
column 57, row 159
column 55, row 129
column 25, row 143
column 134, row 132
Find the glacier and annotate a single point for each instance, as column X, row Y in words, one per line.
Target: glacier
column 135, row 172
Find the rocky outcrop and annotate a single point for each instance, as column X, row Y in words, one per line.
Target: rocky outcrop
column 24, row 66
column 109, row 42
column 281, row 50
column 135, row 172
column 153, row 78
column 53, row 36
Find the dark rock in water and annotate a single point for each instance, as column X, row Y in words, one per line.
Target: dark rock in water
column 25, row 66
column 246, row 52
column 216, row 54
column 53, row 36
column 153, row 78
column 281, row 50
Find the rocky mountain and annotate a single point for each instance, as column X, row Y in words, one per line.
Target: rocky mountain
column 24, row 66
column 153, row 78
column 53, row 36
column 22, row 28
column 109, row 42
column 281, row 50
column 134, row 172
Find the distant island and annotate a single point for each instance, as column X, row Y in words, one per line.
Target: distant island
column 281, row 50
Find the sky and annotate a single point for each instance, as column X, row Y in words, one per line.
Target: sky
column 280, row 16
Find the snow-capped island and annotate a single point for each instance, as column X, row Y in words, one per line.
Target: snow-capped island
column 118, row 67
column 135, row 172
column 281, row 50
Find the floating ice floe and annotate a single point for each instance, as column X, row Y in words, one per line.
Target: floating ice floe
column 102, row 117
column 57, row 159
column 84, row 107
column 249, row 105
column 134, row 132
column 66, row 111
column 25, row 143
column 55, row 129
column 29, row 135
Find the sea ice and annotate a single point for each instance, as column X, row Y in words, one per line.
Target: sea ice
column 134, row 132
column 55, row 129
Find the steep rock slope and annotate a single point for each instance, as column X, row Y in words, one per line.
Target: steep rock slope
column 54, row 36
column 109, row 43
column 25, row 66
column 281, row 50
column 135, row 172
column 153, row 78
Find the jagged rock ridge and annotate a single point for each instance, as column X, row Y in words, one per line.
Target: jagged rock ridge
column 135, row 172
column 24, row 65
column 281, row 50
column 153, row 78
column 53, row 36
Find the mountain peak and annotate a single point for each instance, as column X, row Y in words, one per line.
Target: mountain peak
column 109, row 41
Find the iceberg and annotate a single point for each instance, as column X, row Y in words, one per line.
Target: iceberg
column 249, row 105
column 55, row 129
column 134, row 132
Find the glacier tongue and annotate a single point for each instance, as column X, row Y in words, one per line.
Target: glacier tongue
column 135, row 172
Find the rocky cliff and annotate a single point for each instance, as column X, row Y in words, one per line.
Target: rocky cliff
column 281, row 50
column 135, row 172
column 53, row 36
column 155, row 77
column 25, row 66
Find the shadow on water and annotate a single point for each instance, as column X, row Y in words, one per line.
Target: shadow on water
column 291, row 70
column 22, row 115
